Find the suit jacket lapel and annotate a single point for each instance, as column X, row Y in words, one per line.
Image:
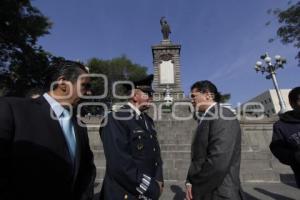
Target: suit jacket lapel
column 78, row 133
column 203, row 125
column 141, row 122
column 58, row 141
column 136, row 117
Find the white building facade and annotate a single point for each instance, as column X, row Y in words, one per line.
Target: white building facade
column 267, row 102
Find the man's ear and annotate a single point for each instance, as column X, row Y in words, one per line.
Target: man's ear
column 134, row 95
column 207, row 96
column 298, row 101
column 61, row 83
column 296, row 105
column 210, row 96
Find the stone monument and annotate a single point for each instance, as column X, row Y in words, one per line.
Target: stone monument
column 175, row 136
column 166, row 61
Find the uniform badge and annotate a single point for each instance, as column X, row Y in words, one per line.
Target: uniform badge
column 139, row 146
column 137, row 131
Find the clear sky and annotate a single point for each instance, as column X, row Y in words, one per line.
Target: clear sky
column 221, row 39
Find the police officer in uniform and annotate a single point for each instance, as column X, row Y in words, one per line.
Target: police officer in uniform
column 133, row 160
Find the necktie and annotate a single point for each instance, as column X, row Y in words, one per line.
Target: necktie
column 67, row 127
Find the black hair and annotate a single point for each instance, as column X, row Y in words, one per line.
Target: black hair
column 71, row 70
column 207, row 86
column 34, row 91
column 294, row 96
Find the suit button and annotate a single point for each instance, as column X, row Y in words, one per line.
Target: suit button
column 125, row 196
column 151, row 136
column 156, row 164
column 154, row 149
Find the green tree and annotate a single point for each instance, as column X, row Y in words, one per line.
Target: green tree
column 22, row 62
column 289, row 30
column 116, row 69
column 225, row 97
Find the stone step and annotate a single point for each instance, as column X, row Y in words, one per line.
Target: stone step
column 97, row 148
column 175, row 140
column 256, row 155
column 259, row 176
column 163, row 147
column 96, row 143
column 177, row 131
column 179, row 145
column 175, row 147
column 175, row 190
column 185, row 155
column 255, row 166
column 167, row 157
column 176, row 155
column 173, row 144
column 100, row 172
column 180, row 175
column 166, row 145
column 250, row 165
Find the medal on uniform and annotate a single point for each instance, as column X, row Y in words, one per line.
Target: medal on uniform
column 139, row 146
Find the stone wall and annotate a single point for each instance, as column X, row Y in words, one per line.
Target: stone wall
column 258, row 164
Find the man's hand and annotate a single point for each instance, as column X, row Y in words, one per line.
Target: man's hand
column 161, row 188
column 188, row 192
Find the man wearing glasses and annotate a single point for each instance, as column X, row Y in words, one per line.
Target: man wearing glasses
column 132, row 152
column 216, row 148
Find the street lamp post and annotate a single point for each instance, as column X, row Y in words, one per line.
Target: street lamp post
column 271, row 68
column 168, row 97
column 167, row 105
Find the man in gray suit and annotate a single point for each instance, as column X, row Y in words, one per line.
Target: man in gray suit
column 216, row 148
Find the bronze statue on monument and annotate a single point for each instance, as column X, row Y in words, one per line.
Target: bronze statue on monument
column 165, row 28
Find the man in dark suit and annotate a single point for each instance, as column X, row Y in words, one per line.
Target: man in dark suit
column 44, row 153
column 133, row 160
column 216, row 148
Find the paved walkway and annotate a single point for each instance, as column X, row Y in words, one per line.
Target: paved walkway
column 272, row 191
column 254, row 191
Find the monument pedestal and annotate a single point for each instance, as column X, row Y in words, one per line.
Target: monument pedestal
column 166, row 61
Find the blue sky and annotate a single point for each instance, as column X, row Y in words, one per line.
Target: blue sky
column 221, row 40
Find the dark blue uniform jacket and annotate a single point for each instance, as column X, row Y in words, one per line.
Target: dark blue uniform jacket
column 133, row 160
